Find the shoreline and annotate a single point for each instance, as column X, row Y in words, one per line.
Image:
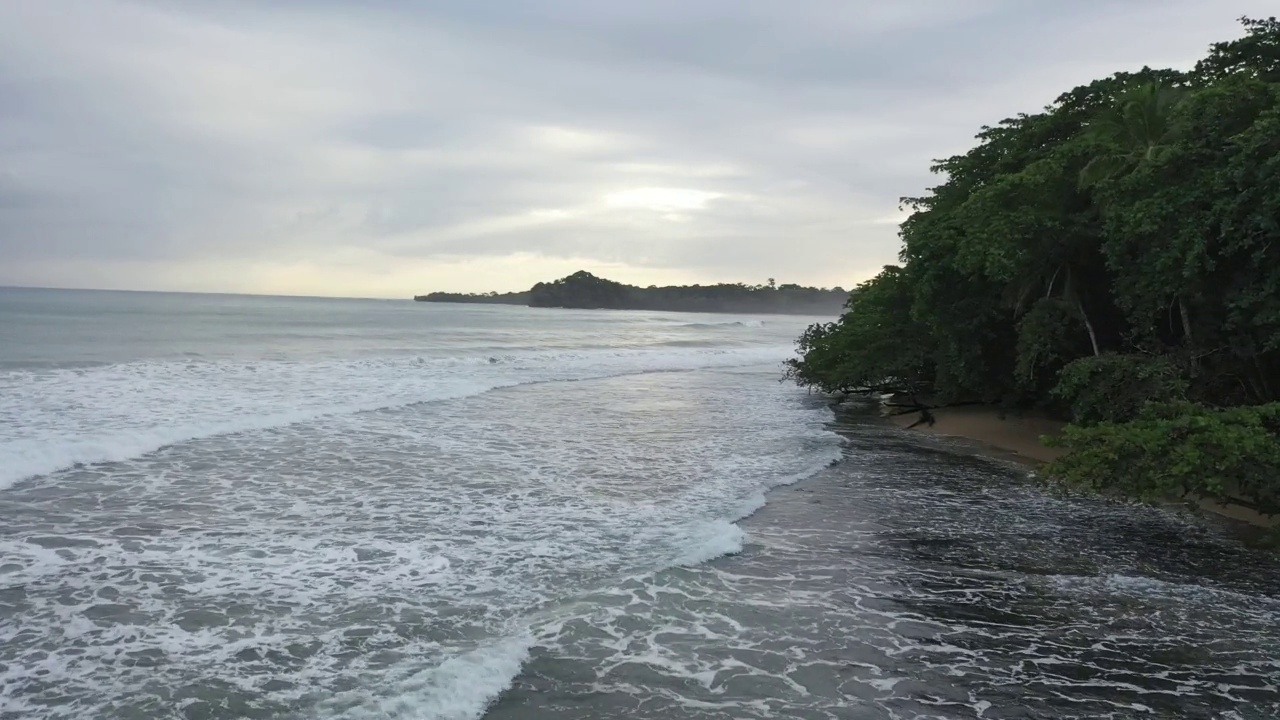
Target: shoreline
column 1009, row 435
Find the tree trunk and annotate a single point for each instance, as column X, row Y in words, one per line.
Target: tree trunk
column 1071, row 290
column 1052, row 281
column 1088, row 324
column 1186, row 322
column 1267, row 393
column 1187, row 340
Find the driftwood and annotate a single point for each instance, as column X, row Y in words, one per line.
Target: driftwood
column 926, row 414
column 925, row 417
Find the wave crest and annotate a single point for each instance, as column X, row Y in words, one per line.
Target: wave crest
column 57, row 419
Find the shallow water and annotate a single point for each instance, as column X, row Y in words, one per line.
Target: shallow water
column 914, row 580
column 300, row 508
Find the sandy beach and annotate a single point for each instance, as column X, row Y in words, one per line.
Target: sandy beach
column 1003, row 434
column 1016, row 436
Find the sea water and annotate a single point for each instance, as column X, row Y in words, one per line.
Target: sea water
column 225, row 506
column 228, row 506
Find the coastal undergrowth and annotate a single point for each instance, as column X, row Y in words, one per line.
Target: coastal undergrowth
column 1177, row 450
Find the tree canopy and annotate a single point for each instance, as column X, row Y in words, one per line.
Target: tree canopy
column 1118, row 248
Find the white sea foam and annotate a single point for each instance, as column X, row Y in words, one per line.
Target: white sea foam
column 1150, row 587
column 723, row 538
column 393, row 549
column 460, row 688
column 52, row 420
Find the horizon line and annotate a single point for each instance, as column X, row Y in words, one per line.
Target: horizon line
column 203, row 292
column 409, row 298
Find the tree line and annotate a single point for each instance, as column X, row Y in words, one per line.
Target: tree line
column 586, row 291
column 1114, row 258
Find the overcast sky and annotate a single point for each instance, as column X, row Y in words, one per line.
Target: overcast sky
column 386, row 148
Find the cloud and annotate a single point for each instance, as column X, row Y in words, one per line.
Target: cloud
column 386, row 148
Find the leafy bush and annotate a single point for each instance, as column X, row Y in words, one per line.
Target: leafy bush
column 820, row 365
column 1114, row 388
column 1174, row 449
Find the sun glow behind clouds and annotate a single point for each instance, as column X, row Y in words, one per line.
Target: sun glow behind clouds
column 284, row 137
column 576, row 141
column 661, row 198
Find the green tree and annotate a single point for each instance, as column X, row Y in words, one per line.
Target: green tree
column 1114, row 252
column 1256, row 55
column 1137, row 129
column 875, row 346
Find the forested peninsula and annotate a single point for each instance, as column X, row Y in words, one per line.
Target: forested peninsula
column 586, row 291
column 1113, row 259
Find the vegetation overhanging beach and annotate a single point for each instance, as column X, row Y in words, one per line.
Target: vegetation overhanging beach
column 1111, row 261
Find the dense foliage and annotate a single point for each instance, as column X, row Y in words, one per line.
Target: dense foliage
column 1119, row 248
column 875, row 345
column 584, row 290
column 1229, row 454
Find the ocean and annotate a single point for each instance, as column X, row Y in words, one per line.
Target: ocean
column 217, row 506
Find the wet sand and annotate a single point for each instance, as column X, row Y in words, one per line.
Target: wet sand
column 1006, row 435
column 1017, row 437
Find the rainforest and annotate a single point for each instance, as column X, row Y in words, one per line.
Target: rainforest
column 1113, row 259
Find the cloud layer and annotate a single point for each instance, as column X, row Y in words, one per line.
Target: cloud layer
column 385, row 148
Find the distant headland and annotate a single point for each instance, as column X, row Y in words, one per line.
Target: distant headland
column 586, row 291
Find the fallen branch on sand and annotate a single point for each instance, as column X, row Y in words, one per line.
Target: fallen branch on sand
column 926, row 414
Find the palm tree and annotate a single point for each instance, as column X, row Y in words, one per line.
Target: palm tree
column 1137, row 130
